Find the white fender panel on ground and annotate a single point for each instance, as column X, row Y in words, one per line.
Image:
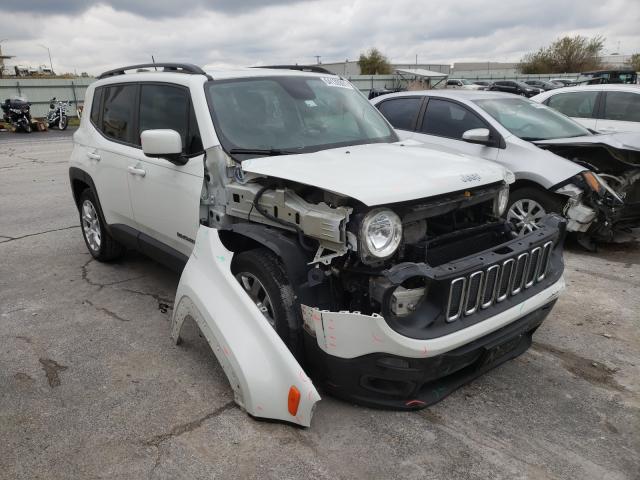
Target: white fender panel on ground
column 260, row 368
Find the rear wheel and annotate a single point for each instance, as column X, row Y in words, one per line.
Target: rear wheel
column 263, row 277
column 528, row 205
column 100, row 244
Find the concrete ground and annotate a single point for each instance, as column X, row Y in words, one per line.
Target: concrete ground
column 91, row 385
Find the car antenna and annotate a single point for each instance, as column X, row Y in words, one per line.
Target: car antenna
column 153, row 60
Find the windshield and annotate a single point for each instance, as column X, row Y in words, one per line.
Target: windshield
column 531, row 121
column 293, row 114
column 466, row 82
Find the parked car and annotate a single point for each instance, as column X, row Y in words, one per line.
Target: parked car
column 617, row 76
column 314, row 236
column 483, row 84
column 605, row 108
column 542, row 85
column 461, row 84
column 563, row 82
column 560, row 166
column 517, row 88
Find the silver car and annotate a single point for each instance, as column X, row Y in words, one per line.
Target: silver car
column 559, row 165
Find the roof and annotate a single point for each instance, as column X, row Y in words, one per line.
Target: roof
column 421, row 72
column 460, row 94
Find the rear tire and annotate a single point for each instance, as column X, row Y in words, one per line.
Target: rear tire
column 528, row 205
column 99, row 243
column 277, row 299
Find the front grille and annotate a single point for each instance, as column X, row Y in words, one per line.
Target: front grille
column 496, row 283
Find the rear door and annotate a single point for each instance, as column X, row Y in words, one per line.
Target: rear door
column 113, row 116
column 443, row 123
column 402, row 113
column 620, row 112
column 166, row 196
column 581, row 106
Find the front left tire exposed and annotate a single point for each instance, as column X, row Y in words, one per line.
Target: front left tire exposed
column 99, row 243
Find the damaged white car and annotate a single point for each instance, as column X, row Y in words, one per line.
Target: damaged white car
column 322, row 251
column 560, row 166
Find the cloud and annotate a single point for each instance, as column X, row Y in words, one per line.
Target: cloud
column 96, row 36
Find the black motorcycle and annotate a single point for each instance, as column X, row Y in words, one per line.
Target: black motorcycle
column 17, row 112
column 57, row 116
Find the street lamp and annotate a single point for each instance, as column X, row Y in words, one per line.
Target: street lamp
column 49, row 51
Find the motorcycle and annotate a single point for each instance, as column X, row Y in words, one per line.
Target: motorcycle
column 17, row 113
column 57, row 115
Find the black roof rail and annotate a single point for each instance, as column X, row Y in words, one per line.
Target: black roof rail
column 301, row 68
column 166, row 67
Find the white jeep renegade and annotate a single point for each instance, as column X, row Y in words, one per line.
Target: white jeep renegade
column 312, row 236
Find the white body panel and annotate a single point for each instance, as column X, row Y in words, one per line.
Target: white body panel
column 259, row 366
column 379, row 173
column 600, row 124
column 350, row 335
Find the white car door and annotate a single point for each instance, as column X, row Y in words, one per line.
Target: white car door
column 445, row 121
column 165, row 195
column 581, row 106
column 111, row 146
column 620, row 112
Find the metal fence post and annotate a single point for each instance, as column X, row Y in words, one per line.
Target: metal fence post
column 18, row 87
column 73, row 90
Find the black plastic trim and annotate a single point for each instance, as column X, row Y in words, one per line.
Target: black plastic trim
column 166, row 67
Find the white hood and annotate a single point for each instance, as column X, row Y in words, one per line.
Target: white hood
column 381, row 173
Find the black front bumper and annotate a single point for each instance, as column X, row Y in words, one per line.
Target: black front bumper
column 386, row 381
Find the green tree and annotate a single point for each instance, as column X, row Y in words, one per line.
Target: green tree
column 566, row 54
column 634, row 62
column 374, row 63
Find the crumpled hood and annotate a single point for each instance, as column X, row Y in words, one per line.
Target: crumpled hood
column 622, row 141
column 381, row 173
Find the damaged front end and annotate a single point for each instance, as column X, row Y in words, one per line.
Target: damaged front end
column 604, row 202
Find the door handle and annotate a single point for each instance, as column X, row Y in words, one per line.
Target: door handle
column 93, row 156
column 137, row 171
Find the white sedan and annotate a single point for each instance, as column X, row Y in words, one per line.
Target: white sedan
column 604, row 108
column 559, row 165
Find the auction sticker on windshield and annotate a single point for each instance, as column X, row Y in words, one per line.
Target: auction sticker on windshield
column 336, row 82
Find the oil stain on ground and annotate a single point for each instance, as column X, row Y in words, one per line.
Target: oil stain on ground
column 51, row 369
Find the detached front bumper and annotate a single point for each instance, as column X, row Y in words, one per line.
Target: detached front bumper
column 479, row 311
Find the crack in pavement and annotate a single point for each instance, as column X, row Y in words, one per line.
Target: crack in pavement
column 106, row 311
column 11, row 239
column 606, row 276
column 183, row 428
column 168, row 302
column 51, row 369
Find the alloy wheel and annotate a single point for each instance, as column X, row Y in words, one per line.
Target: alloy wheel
column 256, row 291
column 525, row 215
column 91, row 226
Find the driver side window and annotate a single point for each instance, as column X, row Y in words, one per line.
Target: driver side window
column 448, row 119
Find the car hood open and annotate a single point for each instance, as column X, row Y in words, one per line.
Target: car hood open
column 381, row 173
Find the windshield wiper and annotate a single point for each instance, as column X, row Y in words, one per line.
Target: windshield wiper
column 271, row 152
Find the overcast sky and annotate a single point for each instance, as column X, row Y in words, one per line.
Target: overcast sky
column 92, row 36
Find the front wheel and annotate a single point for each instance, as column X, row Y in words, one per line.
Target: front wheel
column 263, row 277
column 63, row 122
column 527, row 206
column 27, row 128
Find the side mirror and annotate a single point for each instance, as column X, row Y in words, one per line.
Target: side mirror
column 477, row 135
column 163, row 143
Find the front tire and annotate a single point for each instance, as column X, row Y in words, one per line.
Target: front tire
column 63, row 122
column 528, row 205
column 99, row 243
column 262, row 275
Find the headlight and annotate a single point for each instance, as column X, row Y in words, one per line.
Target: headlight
column 380, row 235
column 500, row 202
column 599, row 185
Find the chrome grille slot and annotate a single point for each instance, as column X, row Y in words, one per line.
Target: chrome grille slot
column 473, row 292
column 544, row 260
column 490, row 286
column 456, row 298
column 532, row 270
column 504, row 285
column 519, row 273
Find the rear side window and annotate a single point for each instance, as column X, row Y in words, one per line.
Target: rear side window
column 448, row 119
column 623, row 106
column 95, row 106
column 118, row 112
column 574, row 104
column 401, row 112
column 168, row 106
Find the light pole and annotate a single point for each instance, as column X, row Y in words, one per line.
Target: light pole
column 48, row 51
